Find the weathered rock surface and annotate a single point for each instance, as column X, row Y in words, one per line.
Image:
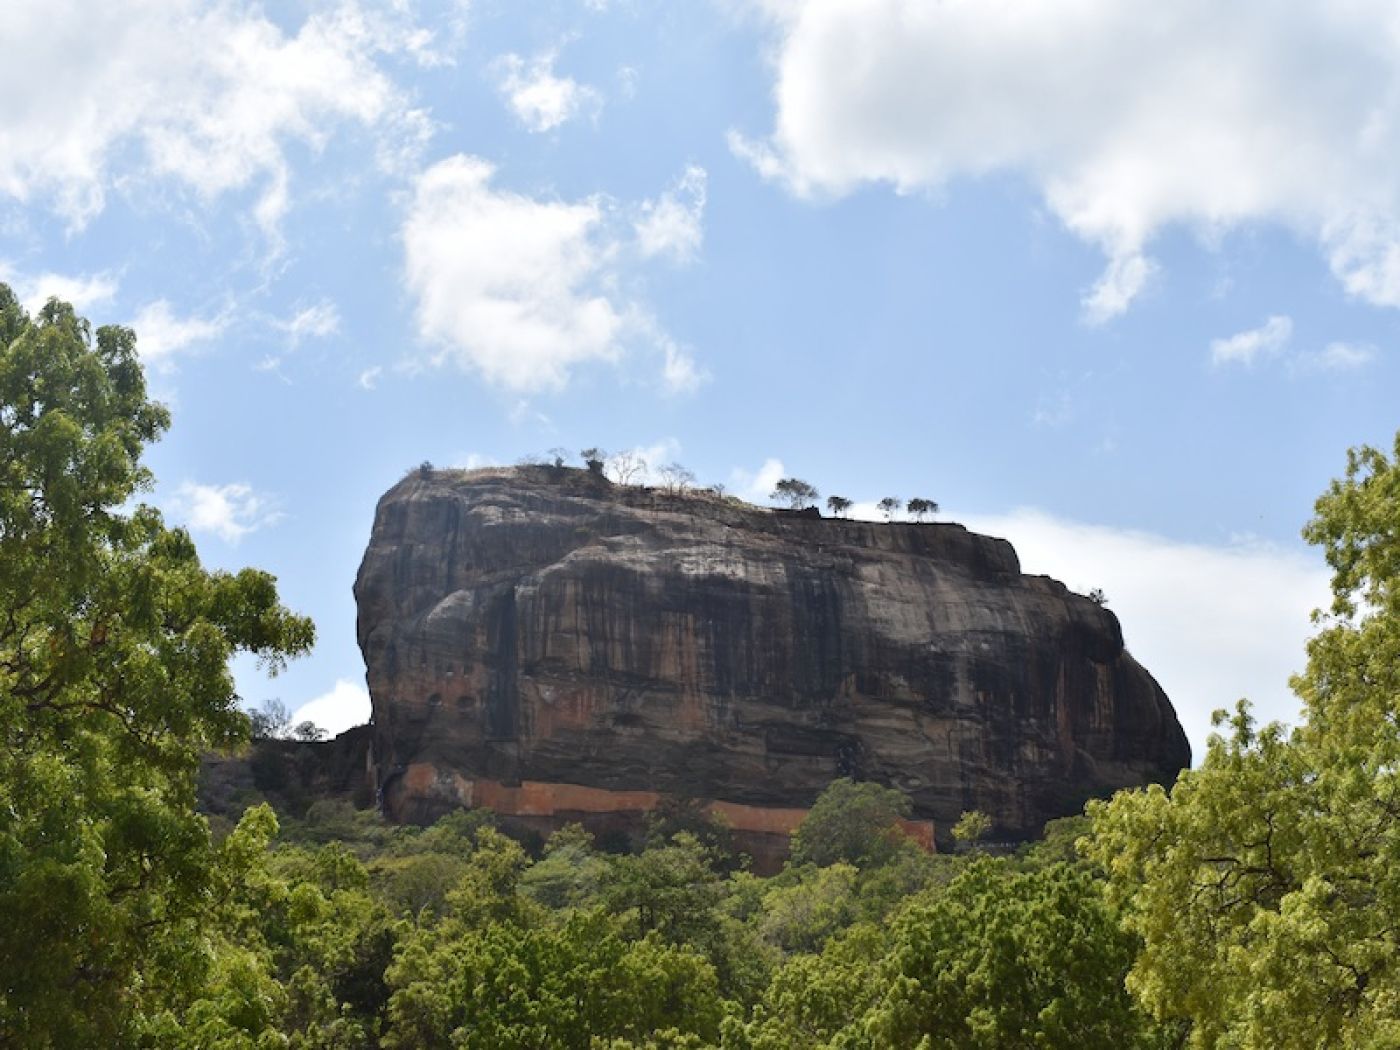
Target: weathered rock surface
column 542, row 634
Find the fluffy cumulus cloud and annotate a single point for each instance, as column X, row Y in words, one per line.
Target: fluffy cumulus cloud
column 161, row 334
column 83, row 104
column 343, row 706
column 540, row 100
column 229, row 512
column 672, row 224
column 521, row 290
column 509, row 286
column 1213, row 623
column 1127, row 115
column 1244, row 348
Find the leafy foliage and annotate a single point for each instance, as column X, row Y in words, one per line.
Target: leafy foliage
column 1265, row 885
column 114, row 650
column 795, row 493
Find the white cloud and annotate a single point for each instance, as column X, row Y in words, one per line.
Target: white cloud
column 672, row 223
column 369, row 378
column 83, row 102
column 627, row 81
column 228, row 511
column 539, row 99
column 160, row 334
column 681, row 375
column 508, row 286
column 474, row 461
column 1128, row 116
column 1053, row 410
column 313, row 322
column 757, row 486
column 1211, row 623
column 345, row 706
column 1244, row 348
column 1341, row 357
column 83, row 292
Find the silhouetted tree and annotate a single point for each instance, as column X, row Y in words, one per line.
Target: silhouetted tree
column 593, row 459
column 838, row 505
column 795, row 492
column 889, row 507
column 921, row 508
column 309, row 731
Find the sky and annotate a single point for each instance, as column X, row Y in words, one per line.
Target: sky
column 1114, row 279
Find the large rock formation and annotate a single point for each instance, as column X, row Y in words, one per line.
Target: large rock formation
column 552, row 645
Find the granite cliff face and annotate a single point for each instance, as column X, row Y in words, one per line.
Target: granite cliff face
column 552, row 645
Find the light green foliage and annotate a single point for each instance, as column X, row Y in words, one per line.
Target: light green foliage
column 1000, row 958
column 972, row 827
column 671, row 889
column 114, row 650
column 497, row 972
column 850, row 822
column 813, row 997
column 1005, row 959
column 1266, row 885
column 571, row 874
column 801, row 916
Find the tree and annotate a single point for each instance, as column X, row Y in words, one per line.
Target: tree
column 922, row 508
column 796, row 493
column 270, row 721
column 676, row 478
column 838, row 505
column 558, row 457
column 593, row 459
column 114, row 678
column 889, row 507
column 308, row 732
column 627, row 467
column 1264, row 885
column 855, row 823
column 1002, row 958
column 972, row 827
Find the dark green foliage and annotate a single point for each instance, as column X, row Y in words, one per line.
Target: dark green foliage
column 851, row 822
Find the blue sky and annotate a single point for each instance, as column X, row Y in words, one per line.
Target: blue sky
column 1119, row 283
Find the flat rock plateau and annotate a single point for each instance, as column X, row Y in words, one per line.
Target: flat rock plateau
column 557, row 647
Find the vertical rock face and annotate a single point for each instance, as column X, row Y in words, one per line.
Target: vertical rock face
column 542, row 639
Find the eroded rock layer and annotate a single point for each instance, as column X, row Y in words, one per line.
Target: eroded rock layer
column 540, row 626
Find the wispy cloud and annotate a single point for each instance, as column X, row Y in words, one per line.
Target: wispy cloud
column 1244, row 348
column 317, row 321
column 673, row 224
column 83, row 291
column 160, row 334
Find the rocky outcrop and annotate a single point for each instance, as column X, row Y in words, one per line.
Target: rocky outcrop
column 542, row 634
